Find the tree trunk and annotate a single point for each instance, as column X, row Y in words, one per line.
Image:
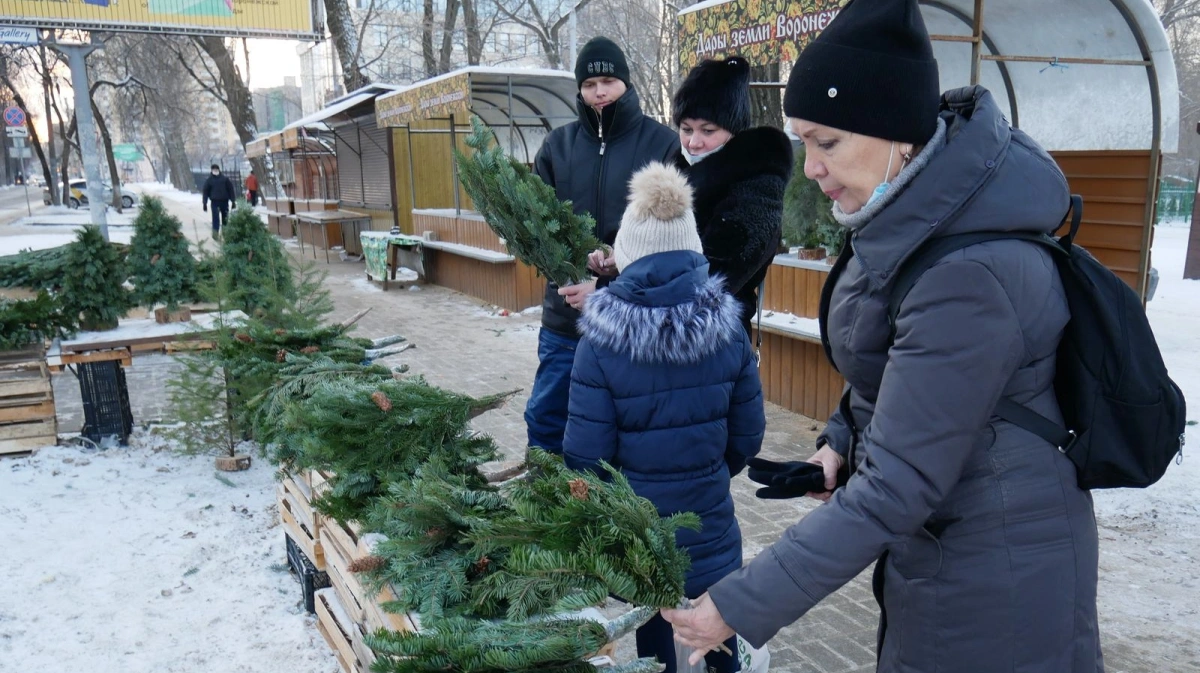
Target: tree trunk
column 238, row 99
column 68, row 131
column 345, row 41
column 427, row 39
column 766, row 103
column 114, row 175
column 448, row 36
column 474, row 37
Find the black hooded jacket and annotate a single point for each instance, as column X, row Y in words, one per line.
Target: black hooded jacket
column 589, row 162
column 738, row 194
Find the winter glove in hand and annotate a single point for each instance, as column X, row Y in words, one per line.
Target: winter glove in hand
column 787, row 480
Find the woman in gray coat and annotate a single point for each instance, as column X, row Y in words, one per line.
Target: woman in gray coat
column 985, row 547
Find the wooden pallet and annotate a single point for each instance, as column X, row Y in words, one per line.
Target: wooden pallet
column 337, row 629
column 306, row 535
column 27, row 412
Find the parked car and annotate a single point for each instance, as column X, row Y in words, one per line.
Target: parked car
column 76, row 195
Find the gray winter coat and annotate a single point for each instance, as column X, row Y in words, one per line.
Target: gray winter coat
column 986, row 546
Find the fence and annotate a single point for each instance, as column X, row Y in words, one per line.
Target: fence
column 1175, row 200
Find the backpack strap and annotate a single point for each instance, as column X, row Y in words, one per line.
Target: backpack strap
column 758, row 333
column 934, row 251
column 831, row 280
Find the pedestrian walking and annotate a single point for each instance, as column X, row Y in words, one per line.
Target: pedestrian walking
column 220, row 191
column 252, row 189
column 985, row 546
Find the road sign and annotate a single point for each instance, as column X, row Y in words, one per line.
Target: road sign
column 18, row 35
column 14, row 116
column 20, row 153
column 17, row 131
column 126, row 152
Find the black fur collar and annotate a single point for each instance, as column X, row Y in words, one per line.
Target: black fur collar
column 764, row 150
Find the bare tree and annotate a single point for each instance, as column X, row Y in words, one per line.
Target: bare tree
column 348, row 41
column 12, row 61
column 546, row 20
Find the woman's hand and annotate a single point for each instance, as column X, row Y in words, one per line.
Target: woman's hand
column 831, row 462
column 602, row 263
column 701, row 627
column 577, row 294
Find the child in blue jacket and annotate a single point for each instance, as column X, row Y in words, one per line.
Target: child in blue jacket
column 665, row 386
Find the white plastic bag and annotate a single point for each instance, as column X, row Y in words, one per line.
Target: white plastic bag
column 753, row 660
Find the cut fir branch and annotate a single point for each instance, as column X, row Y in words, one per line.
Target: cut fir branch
column 463, row 645
column 537, row 228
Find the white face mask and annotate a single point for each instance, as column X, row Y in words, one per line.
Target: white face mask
column 216, row 172
column 694, row 159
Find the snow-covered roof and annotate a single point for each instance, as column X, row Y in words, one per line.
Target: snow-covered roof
column 1065, row 106
column 321, row 118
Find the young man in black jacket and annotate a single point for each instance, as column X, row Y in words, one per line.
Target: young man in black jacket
column 589, row 162
column 220, row 190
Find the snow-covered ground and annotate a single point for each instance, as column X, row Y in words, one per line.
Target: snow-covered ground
column 138, row 560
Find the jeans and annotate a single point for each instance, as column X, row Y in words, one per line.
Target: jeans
column 546, row 411
column 220, row 213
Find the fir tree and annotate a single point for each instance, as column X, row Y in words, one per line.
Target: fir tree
column 93, row 286
column 32, row 321
column 161, row 267
column 806, row 209
column 260, row 276
column 41, row 269
column 537, row 228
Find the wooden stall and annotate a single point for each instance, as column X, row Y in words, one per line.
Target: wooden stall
column 1093, row 81
column 431, row 119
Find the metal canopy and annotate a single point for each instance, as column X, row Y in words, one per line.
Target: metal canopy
column 343, row 110
column 1074, row 74
column 521, row 105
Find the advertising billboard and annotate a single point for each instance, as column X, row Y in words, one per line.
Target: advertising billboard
column 239, row 18
column 435, row 99
column 763, row 31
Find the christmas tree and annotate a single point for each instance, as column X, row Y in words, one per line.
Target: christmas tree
column 261, row 281
column 32, row 321
column 162, row 268
column 93, row 287
column 41, row 269
column 806, row 209
column 524, row 211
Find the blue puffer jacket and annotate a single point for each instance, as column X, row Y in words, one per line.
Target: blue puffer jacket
column 665, row 388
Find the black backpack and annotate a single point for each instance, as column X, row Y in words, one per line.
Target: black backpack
column 1125, row 417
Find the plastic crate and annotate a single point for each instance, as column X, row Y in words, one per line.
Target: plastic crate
column 106, row 411
column 311, row 579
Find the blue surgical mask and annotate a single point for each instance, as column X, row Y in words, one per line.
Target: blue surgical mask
column 883, row 186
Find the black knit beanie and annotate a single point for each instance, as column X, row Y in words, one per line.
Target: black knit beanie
column 601, row 57
column 871, row 71
column 717, row 91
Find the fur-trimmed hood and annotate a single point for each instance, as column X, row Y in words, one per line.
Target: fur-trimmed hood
column 664, row 308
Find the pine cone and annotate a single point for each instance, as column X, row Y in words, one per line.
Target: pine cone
column 280, row 332
column 482, row 564
column 280, row 355
column 381, row 400
column 155, row 258
column 243, row 337
column 433, row 532
column 250, row 256
column 312, row 349
column 366, row 564
column 579, row 489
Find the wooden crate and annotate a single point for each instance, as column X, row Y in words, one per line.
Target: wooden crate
column 27, row 412
column 305, row 533
column 337, row 629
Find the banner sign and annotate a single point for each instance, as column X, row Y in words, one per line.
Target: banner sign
column 436, row 99
column 18, row 35
column 763, row 31
column 249, row 18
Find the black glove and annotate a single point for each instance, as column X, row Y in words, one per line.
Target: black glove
column 788, row 480
column 205, row 207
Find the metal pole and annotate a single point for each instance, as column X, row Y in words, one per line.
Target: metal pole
column 77, row 58
column 574, row 33
column 977, row 42
column 28, row 209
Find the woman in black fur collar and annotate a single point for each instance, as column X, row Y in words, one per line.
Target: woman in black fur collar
column 738, row 175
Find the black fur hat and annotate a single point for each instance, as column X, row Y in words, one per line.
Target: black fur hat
column 717, row 91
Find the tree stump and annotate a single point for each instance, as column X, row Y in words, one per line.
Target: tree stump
column 235, row 463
